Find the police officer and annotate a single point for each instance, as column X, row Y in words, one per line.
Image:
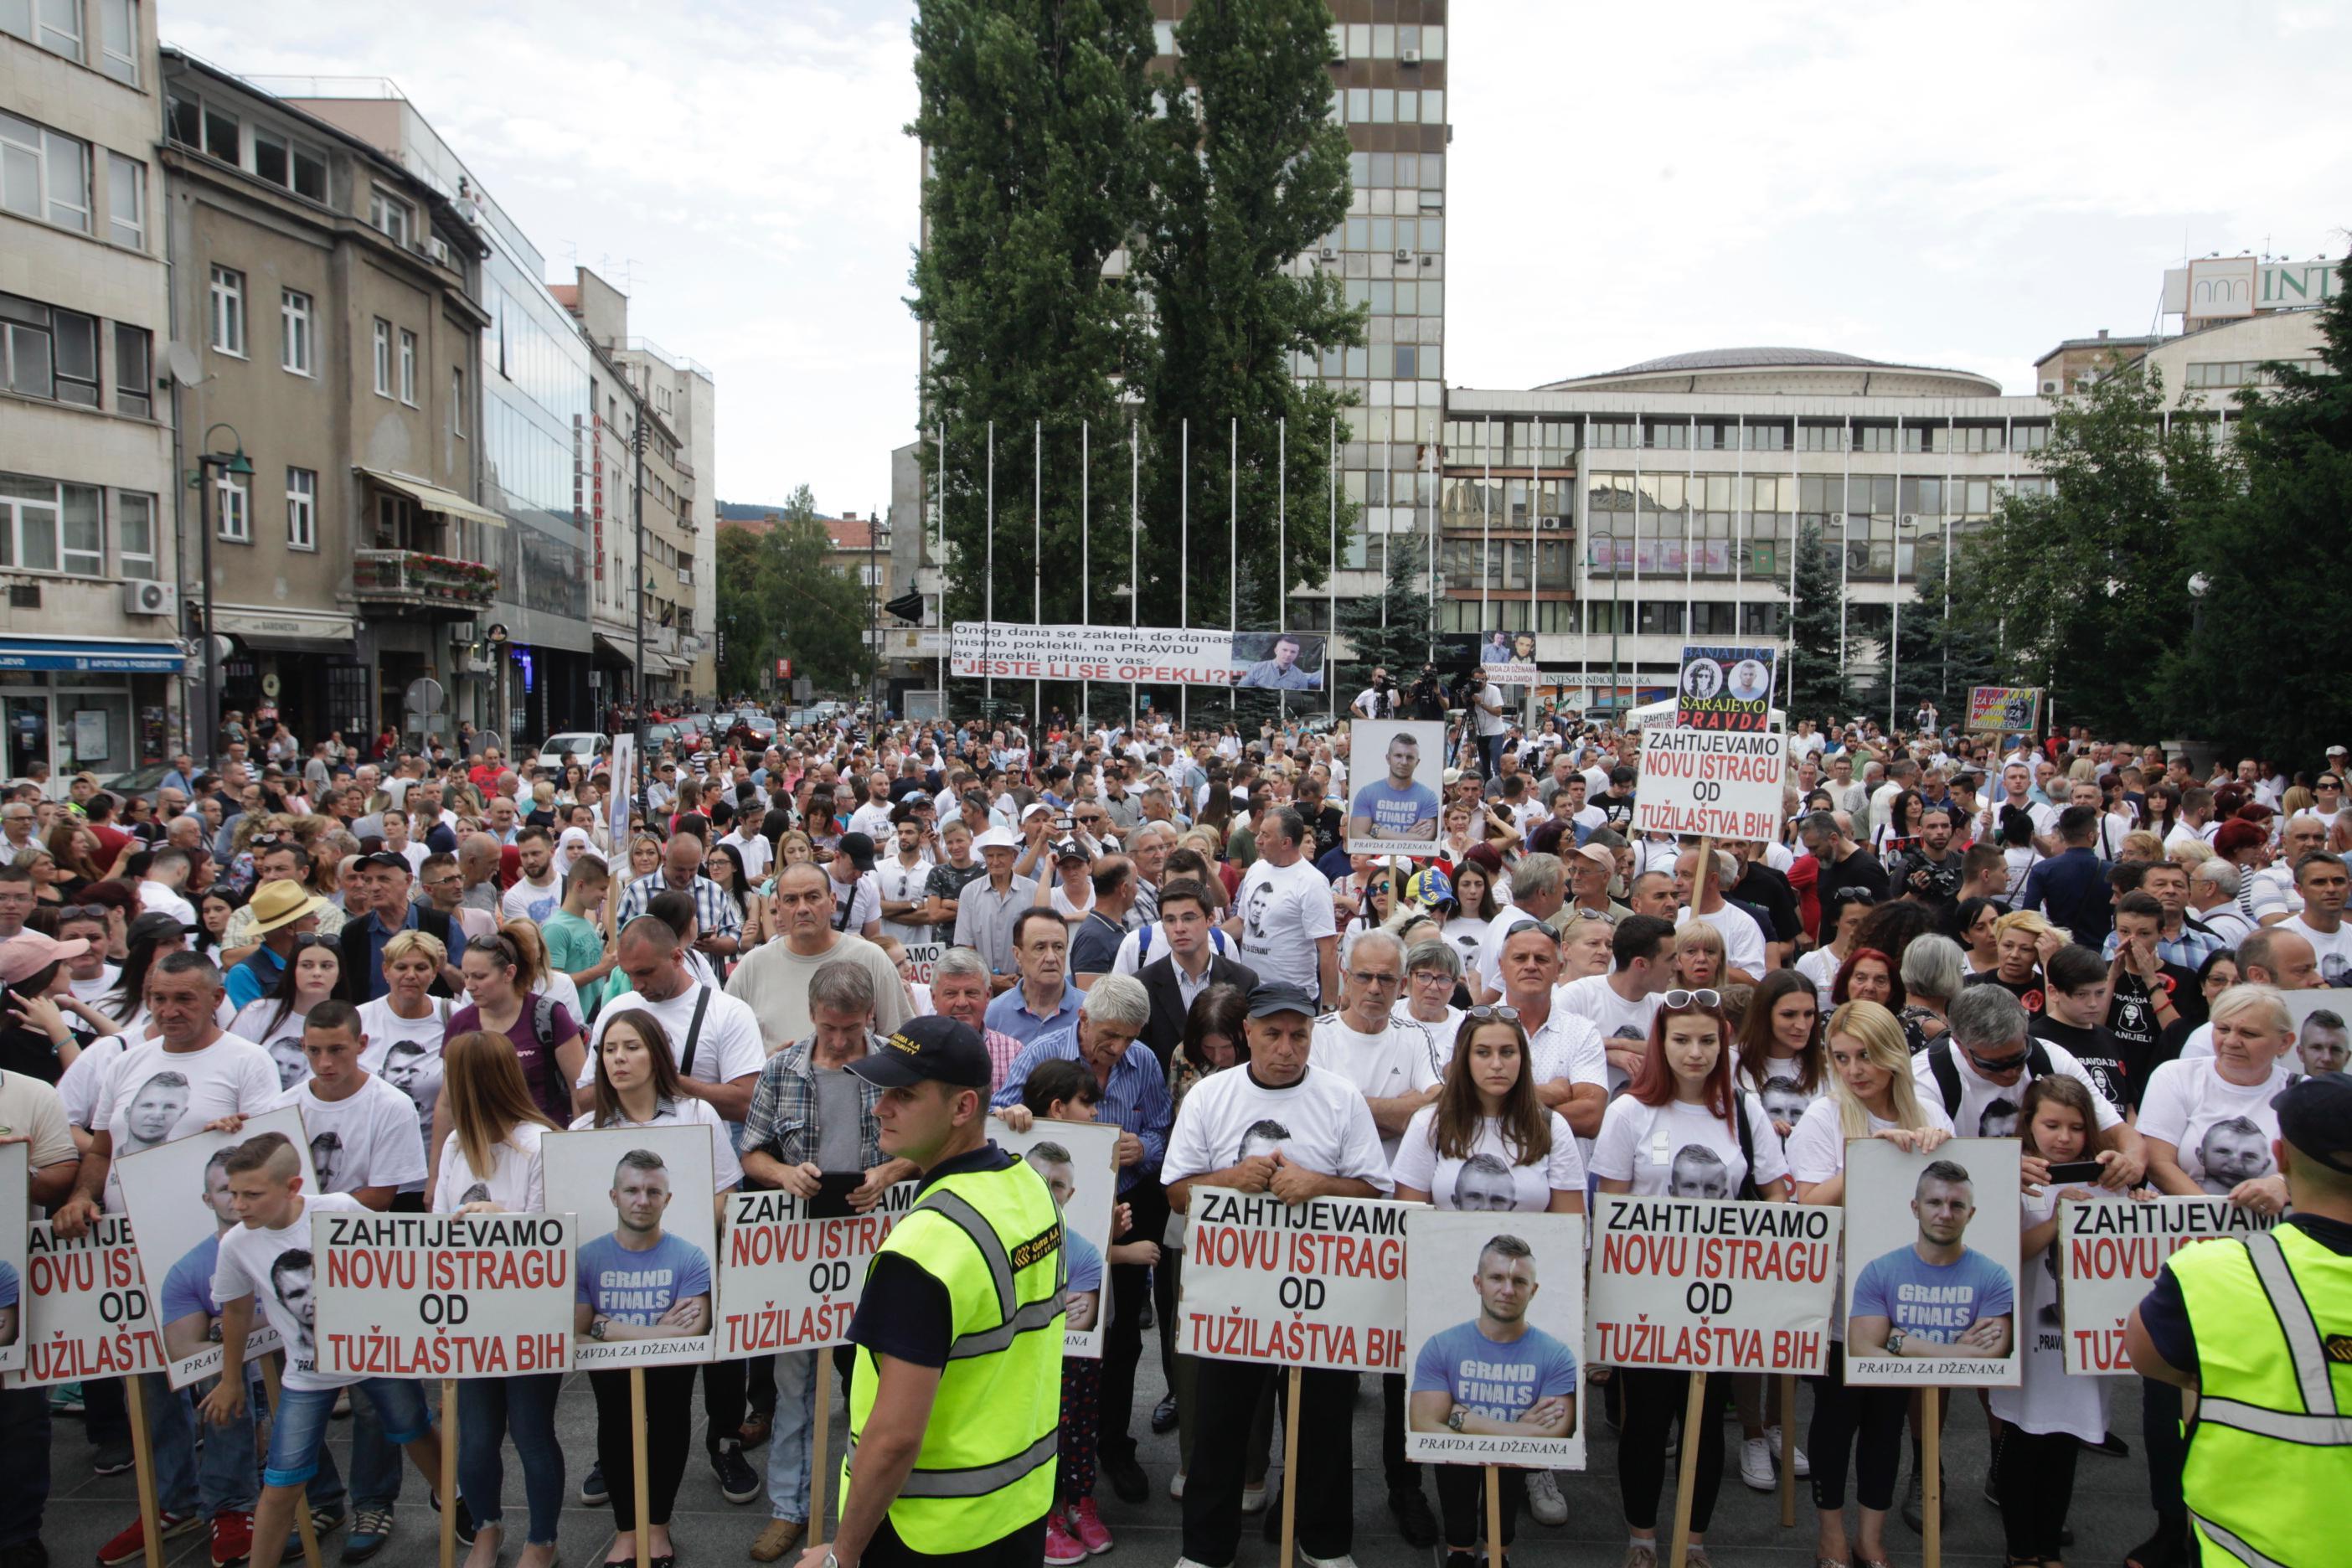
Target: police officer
column 955, row 1402
column 2257, row 1329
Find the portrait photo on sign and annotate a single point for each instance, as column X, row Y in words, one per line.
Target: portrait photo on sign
column 1078, row 1162
column 178, row 1199
column 648, row 1226
column 2322, row 1025
column 1278, row 661
column 1392, row 803
column 14, row 1180
column 1493, row 1319
column 1931, row 1248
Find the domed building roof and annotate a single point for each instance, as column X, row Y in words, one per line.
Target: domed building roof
column 1739, row 359
column 1784, row 370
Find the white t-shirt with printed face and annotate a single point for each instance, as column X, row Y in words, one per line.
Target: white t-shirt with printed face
column 1285, row 911
column 727, row 1049
column 1385, row 1066
column 247, row 1265
column 1990, row 1110
column 282, row 1037
column 2334, row 947
column 1681, row 1150
column 367, row 1138
column 2049, row 1400
column 516, row 1180
column 1474, row 1183
column 1620, row 1023
column 406, row 1054
column 151, row 1096
column 2222, row 1131
column 1320, row 1122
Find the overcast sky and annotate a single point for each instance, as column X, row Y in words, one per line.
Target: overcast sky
column 1953, row 185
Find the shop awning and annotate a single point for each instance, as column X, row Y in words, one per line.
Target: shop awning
column 625, row 650
column 289, row 631
column 97, row 655
column 432, row 498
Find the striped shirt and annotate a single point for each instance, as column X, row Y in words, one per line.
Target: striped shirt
column 1136, row 1098
column 714, row 912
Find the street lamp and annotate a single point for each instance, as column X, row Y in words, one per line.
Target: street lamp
column 238, row 466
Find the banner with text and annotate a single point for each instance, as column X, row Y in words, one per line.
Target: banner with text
column 1719, row 783
column 1724, row 689
column 1494, row 1314
column 85, row 1308
column 1319, row 1285
column 646, row 1238
column 1158, row 656
column 444, row 1295
column 2004, row 710
column 1721, row 1286
column 2108, row 1255
column 791, row 1268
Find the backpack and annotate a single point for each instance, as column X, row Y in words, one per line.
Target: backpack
column 1143, row 942
column 1948, row 1072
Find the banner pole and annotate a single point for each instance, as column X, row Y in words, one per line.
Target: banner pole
column 449, row 1502
column 143, row 1459
column 1494, row 1516
column 1184, row 567
column 1931, row 1476
column 639, row 1489
column 302, row 1524
column 1686, row 1464
column 823, row 1373
column 1788, row 1450
column 1290, row 1474
column 1037, row 561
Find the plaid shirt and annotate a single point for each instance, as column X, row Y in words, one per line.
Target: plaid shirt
column 783, row 1120
column 714, row 912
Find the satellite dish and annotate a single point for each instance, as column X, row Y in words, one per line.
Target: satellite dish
column 181, row 360
column 424, row 697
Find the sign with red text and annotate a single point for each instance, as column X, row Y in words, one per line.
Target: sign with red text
column 1494, row 1313
column 2107, row 1255
column 791, row 1270
column 1719, row 1287
column 1724, row 689
column 1155, row 656
column 1321, row 1284
column 1713, row 784
column 444, row 1295
column 85, row 1306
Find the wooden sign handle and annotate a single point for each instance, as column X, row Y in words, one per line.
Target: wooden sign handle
column 1290, row 1475
column 142, row 1457
column 818, row 1425
column 1494, row 1516
column 1687, row 1466
column 310, row 1534
column 638, row 1487
column 1931, row 1476
column 449, row 1472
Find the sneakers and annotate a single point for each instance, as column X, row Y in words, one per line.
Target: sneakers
column 777, row 1539
column 111, row 1458
column 463, row 1528
column 1176, row 1485
column 1804, row 1466
column 232, row 1538
column 2112, row 1446
column 1253, row 1496
column 1087, row 1526
column 736, row 1481
column 1915, row 1510
column 1342, row 1560
column 65, row 1400
column 324, row 1521
column 1412, row 1516
column 1755, row 1464
column 1061, row 1548
column 371, row 1528
column 1163, row 1416
column 592, row 1487
column 132, row 1542
column 1640, row 1554
column 1544, row 1500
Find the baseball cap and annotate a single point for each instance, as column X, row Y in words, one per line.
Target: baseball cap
column 2335, row 752
column 1268, row 996
column 392, row 861
column 1429, row 888
column 859, row 848
column 1033, row 808
column 1599, row 855
column 2315, row 1114
column 1067, row 849
column 28, row 953
column 933, row 1048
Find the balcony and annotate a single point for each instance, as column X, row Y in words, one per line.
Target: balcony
column 410, row 579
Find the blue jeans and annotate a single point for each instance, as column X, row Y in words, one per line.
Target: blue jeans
column 299, row 1433
column 490, row 1410
column 24, row 1439
column 788, row 1440
column 376, row 1470
column 219, row 1478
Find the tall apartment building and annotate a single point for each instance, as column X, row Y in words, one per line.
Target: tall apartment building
column 684, row 395
column 90, row 648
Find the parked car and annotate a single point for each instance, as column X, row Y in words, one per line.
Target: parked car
column 584, row 747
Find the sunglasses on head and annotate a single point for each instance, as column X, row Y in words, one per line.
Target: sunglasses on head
column 1492, row 1010
column 81, row 912
column 1677, row 1000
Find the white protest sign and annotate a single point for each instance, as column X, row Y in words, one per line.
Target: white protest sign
column 624, row 787
column 924, row 957
column 1713, row 784
column 2107, row 1255
column 1718, row 1287
column 1493, row 1313
column 1319, row 1285
column 443, row 1295
column 86, row 1311
column 177, row 1194
column 1931, row 1289
column 1157, row 656
column 647, row 1234
column 1080, row 1160
column 15, row 1180
column 789, row 1281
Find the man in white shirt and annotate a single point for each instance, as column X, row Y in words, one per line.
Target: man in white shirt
column 857, row 896
column 1386, row 1061
column 872, row 816
column 1745, row 954
column 1622, row 1003
column 1377, row 701
column 1493, row 725
column 2320, row 877
column 1539, row 887
column 1282, row 917
column 160, row 889
column 2017, row 790
column 1564, row 1050
column 538, row 893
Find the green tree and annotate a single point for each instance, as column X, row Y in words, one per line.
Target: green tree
column 2266, row 668
column 1942, row 654
column 1389, row 630
column 1819, row 651
column 2083, row 582
column 780, row 598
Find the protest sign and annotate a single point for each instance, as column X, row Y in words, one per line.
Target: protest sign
column 85, row 1307
column 177, row 1194
column 1711, row 783
column 1931, row 1294
column 1393, row 808
column 1493, row 1311
column 647, row 1234
column 1507, row 657
column 2004, row 710
column 2107, row 1255
column 1159, row 656
column 1080, row 1160
column 1319, row 1285
column 625, row 776
column 792, row 1268
column 1719, row 1287
column 443, row 1295
column 924, row 957
column 14, row 1180
column 1724, row 689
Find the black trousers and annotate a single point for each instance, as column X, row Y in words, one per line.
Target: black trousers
column 1401, row 1473
column 1225, row 1396
column 722, row 1402
column 1863, row 1424
column 1167, row 1281
column 1462, row 1502
column 2167, row 1450
column 2037, row 1485
column 669, row 1421
column 1654, row 1402
column 1122, row 1349
column 1023, row 1548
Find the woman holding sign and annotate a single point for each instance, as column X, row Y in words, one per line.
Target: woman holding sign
column 1872, row 1095
column 1487, row 1144
column 1681, row 1129
column 492, row 1165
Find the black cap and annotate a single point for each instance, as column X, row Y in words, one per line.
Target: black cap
column 932, row 1047
column 1269, row 997
column 1067, row 849
column 860, row 850
column 2315, row 1114
column 389, row 860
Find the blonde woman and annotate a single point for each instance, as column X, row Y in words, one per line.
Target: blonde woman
column 2022, row 942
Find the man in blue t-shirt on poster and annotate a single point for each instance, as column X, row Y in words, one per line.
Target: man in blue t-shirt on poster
column 1395, row 806
column 1498, row 1374
column 191, row 1317
column 639, row 1281
column 1937, row 1296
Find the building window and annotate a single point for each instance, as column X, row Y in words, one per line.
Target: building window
column 383, row 358
column 119, row 39
column 134, row 370
column 54, row 24
column 408, row 367
column 48, row 354
column 44, row 174
column 126, row 201
column 230, row 504
column 228, row 311
column 391, row 215
column 134, row 533
column 295, row 320
column 221, row 138
column 301, row 508
column 48, row 527
column 457, row 404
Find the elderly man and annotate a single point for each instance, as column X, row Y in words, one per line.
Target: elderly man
column 960, row 990
column 1979, row 1071
column 378, row 906
column 989, row 908
column 1135, row 1098
column 1042, row 1001
column 283, row 913
column 1539, row 888
column 774, row 978
column 1147, row 846
column 811, row 1118
column 1094, row 945
column 715, row 914
column 1564, row 1049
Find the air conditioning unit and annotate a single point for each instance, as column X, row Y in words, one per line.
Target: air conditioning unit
column 1910, row 520
column 1331, row 253
column 1403, row 255
column 1428, row 261
column 1837, row 519
column 438, row 248
column 1408, row 57
column 1549, row 523
column 143, row 597
column 2049, row 389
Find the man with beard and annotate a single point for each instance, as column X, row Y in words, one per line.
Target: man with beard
column 1930, row 870
column 1935, row 1296
column 1396, row 806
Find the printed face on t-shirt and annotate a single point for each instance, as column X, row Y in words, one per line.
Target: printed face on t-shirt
column 1263, row 1139
column 157, row 1107
column 290, row 1278
column 1698, row 1172
column 1784, row 1100
column 1484, row 1185
column 286, row 1055
column 2231, row 1151
column 326, row 1148
column 403, row 1064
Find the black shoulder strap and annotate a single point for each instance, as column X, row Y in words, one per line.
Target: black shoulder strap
column 1948, row 1071
column 542, row 1029
column 1748, row 1188
column 694, row 1031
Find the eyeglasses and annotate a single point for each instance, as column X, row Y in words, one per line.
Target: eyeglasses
column 1432, row 977
column 1494, row 1010
column 1677, row 1000
column 1369, row 977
